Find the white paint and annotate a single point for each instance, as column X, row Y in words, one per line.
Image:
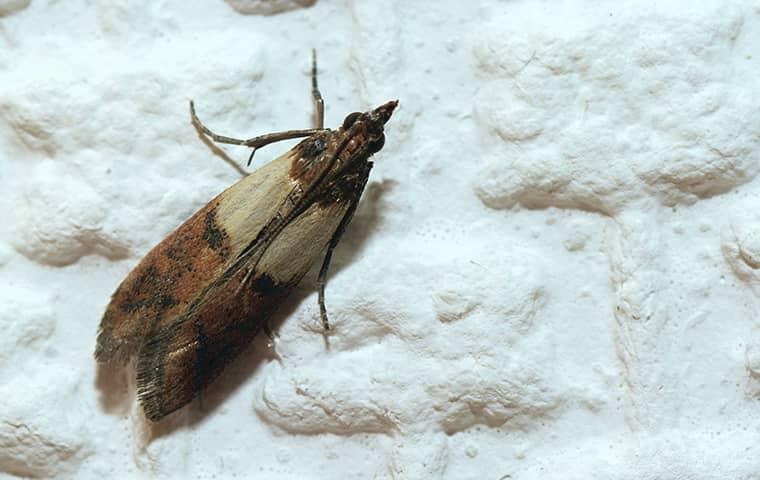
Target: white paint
column 553, row 273
column 10, row 6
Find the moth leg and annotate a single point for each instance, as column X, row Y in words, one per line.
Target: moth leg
column 255, row 142
column 319, row 104
column 321, row 282
column 322, row 278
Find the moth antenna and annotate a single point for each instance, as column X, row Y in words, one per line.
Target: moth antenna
column 319, row 104
column 255, row 142
column 206, row 131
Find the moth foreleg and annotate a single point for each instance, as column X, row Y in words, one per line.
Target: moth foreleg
column 319, row 104
column 361, row 182
column 263, row 140
column 321, row 282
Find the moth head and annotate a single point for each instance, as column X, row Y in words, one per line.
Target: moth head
column 372, row 123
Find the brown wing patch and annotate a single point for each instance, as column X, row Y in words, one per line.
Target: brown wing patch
column 164, row 282
column 181, row 358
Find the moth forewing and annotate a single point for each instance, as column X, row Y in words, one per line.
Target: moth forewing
column 184, row 354
column 302, row 242
column 179, row 268
column 201, row 295
column 267, row 188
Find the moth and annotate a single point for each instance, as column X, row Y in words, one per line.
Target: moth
column 200, row 296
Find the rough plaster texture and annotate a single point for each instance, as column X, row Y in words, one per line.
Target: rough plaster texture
column 554, row 273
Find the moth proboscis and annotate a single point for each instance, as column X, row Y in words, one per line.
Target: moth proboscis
column 199, row 297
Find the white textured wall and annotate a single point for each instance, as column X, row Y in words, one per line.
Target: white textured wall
column 554, row 273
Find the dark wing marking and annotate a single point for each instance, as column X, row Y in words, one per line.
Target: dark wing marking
column 162, row 282
column 182, row 358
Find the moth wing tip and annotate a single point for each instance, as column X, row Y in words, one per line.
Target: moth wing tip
column 149, row 396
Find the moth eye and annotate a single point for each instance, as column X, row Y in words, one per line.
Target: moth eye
column 377, row 145
column 350, row 119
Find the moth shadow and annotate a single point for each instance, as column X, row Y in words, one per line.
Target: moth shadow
column 112, row 381
column 367, row 221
